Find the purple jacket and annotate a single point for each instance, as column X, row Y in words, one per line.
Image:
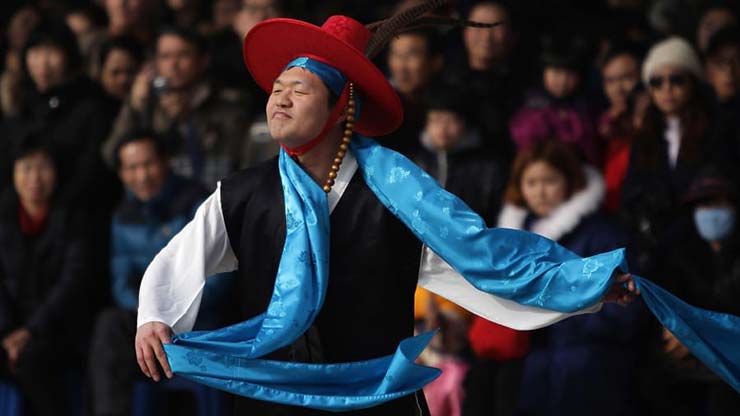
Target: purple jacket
column 543, row 118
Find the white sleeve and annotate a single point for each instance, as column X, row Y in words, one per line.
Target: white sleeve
column 172, row 285
column 438, row 277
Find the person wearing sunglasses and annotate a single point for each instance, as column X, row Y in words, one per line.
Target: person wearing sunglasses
column 678, row 134
column 669, row 138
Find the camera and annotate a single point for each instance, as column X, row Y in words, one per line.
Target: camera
column 160, row 86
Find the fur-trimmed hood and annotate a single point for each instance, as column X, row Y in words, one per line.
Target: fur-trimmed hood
column 564, row 218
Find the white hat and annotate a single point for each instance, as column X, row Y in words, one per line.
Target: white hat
column 673, row 51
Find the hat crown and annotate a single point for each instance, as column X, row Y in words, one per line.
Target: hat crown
column 348, row 30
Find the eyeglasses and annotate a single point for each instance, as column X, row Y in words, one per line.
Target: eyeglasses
column 674, row 80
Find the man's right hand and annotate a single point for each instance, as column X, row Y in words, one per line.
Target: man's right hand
column 149, row 350
column 140, row 89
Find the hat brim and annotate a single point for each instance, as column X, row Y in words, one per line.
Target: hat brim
column 271, row 44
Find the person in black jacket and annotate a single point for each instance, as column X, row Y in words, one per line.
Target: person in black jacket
column 45, row 286
column 453, row 152
column 73, row 110
column 678, row 136
column 702, row 267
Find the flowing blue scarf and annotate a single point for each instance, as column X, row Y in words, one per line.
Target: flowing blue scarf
column 516, row 265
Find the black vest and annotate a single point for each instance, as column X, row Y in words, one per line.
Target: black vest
column 374, row 264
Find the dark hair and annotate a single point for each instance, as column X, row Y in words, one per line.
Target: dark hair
column 188, row 35
column 556, row 154
column 95, row 13
column 729, row 35
column 622, row 47
column 563, row 50
column 448, row 97
column 54, row 32
column 695, row 120
column 433, row 39
column 128, row 44
column 509, row 6
column 30, row 141
column 139, row 136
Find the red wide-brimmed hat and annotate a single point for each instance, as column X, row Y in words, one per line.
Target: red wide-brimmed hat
column 340, row 42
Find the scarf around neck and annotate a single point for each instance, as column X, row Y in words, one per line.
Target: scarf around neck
column 515, row 265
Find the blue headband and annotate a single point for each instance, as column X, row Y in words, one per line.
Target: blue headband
column 332, row 78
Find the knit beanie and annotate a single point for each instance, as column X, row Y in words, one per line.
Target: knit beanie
column 673, row 51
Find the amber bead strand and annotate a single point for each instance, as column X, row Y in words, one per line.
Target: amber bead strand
column 349, row 125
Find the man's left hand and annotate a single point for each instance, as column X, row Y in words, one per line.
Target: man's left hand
column 14, row 344
column 620, row 294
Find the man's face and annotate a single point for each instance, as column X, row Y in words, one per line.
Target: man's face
column 410, row 64
column 723, row 71
column 621, row 74
column 142, row 170
column 488, row 45
column 179, row 61
column 297, row 108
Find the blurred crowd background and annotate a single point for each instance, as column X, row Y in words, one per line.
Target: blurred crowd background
column 597, row 123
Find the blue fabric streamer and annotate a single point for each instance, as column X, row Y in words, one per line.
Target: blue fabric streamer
column 712, row 337
column 516, row 265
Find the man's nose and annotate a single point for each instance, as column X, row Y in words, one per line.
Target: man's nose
column 283, row 100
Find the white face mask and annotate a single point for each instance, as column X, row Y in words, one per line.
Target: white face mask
column 714, row 223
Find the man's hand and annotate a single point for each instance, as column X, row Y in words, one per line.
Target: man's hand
column 149, row 350
column 673, row 346
column 619, row 294
column 14, row 344
column 140, row 88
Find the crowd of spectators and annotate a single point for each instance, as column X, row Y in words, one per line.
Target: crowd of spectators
column 598, row 124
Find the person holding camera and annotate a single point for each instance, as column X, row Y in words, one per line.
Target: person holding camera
column 203, row 125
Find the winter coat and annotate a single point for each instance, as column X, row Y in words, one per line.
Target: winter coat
column 45, row 280
column 207, row 145
column 651, row 193
column 76, row 118
column 691, row 270
column 616, row 137
column 495, row 95
column 475, row 174
column 583, row 365
column 543, row 117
